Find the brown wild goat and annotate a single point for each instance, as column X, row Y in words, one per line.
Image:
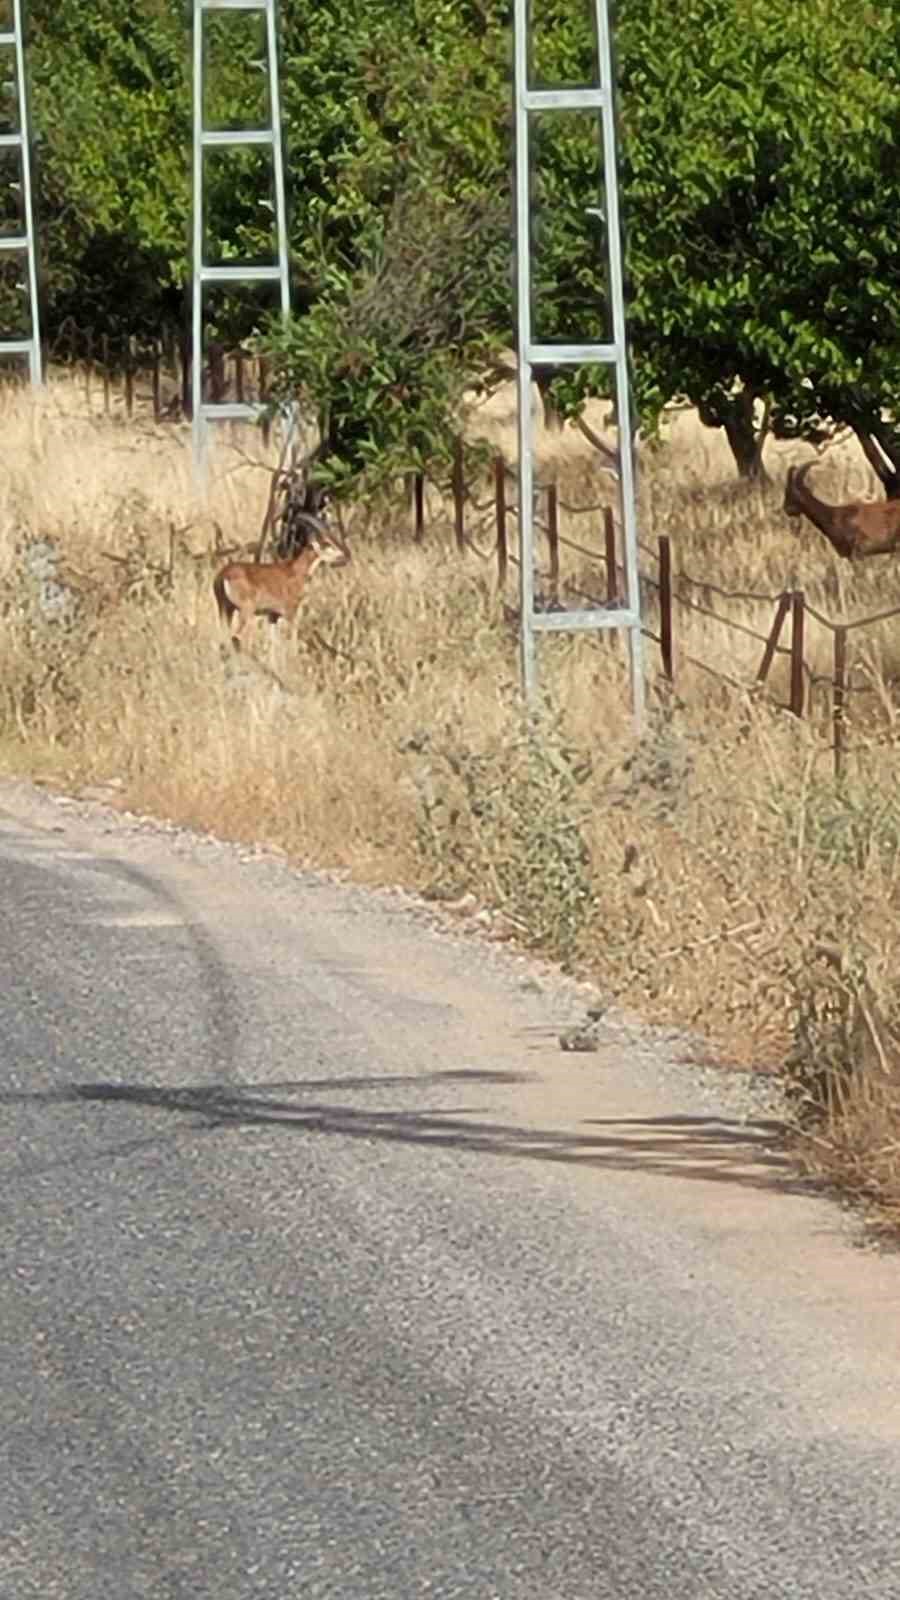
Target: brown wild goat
column 861, row 528
column 247, row 589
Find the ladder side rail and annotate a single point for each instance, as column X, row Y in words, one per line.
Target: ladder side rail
column 620, row 339
column 23, row 243
column 198, row 421
column 27, row 196
column 524, row 353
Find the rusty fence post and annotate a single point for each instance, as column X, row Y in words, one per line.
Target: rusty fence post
column 612, row 576
column 839, row 697
column 104, row 356
column 781, row 612
column 157, row 377
column 553, row 537
column 185, row 380
column 129, row 375
column 218, row 377
column 459, row 495
column 89, row 370
column 798, row 612
column 262, row 369
column 665, row 607
column 415, row 498
column 239, row 375
column 500, row 516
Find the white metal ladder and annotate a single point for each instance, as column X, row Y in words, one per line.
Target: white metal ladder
column 22, row 242
column 205, row 139
column 529, row 101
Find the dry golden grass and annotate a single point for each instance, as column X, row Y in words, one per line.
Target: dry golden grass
column 697, row 876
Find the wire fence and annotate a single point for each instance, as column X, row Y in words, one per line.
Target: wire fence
column 783, row 633
column 143, row 374
column 140, row 374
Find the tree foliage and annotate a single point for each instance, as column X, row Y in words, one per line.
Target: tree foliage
column 758, row 157
column 760, row 139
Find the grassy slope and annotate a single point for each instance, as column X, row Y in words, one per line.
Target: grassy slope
column 707, row 879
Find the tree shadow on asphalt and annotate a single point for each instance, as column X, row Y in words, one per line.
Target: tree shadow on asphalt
column 705, row 1148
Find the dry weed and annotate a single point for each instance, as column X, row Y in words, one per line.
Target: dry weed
column 698, row 876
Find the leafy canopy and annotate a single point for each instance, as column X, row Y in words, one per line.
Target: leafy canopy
column 758, row 161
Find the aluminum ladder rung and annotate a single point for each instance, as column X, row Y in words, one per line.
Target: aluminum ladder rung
column 240, row 274
column 238, row 136
column 231, row 411
column 563, row 99
column 13, row 38
column 572, row 355
column 584, row 619
column 205, row 275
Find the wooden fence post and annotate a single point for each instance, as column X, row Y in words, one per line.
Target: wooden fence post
column 239, row 375
column 665, row 607
column 459, row 495
column 500, row 515
column 104, row 356
column 218, row 381
column 840, row 691
column 781, row 612
column 263, row 372
column 89, row 370
column 798, row 609
column 129, row 376
column 553, row 537
column 612, row 576
column 418, row 506
column 157, row 388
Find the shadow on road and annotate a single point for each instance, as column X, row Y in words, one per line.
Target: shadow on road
column 709, row 1149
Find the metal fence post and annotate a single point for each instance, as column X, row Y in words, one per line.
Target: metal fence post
column 612, row 574
column 781, row 612
column 798, row 609
column 838, row 702
column 665, row 607
column 500, row 516
column 459, row 495
column 553, row 537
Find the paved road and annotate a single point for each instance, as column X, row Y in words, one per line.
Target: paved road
column 325, row 1273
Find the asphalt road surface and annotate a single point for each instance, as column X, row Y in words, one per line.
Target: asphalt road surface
column 326, row 1272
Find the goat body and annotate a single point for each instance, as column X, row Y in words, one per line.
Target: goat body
column 860, row 528
column 247, row 589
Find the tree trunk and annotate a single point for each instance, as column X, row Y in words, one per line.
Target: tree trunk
column 881, row 449
column 745, row 441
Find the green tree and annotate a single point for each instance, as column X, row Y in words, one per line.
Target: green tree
column 759, row 157
column 760, row 139
column 112, row 121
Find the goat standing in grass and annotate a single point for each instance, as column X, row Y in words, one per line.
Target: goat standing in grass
column 247, row 589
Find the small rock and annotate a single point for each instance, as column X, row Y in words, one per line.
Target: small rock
column 581, row 1040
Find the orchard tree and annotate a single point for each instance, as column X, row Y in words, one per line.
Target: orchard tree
column 758, row 148
column 111, row 122
column 764, row 259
